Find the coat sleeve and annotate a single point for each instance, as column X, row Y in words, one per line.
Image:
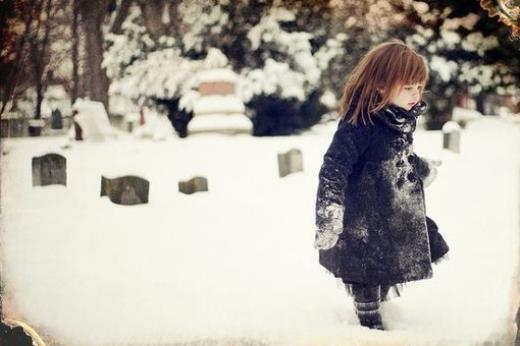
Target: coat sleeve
column 422, row 167
column 425, row 171
column 348, row 143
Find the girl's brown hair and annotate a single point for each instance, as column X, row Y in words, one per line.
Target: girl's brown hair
column 380, row 75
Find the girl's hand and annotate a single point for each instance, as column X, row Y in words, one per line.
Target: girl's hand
column 435, row 163
column 432, row 165
column 426, row 169
column 431, row 177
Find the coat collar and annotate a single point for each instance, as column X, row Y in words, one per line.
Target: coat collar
column 399, row 118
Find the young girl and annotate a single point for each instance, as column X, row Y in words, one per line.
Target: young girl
column 372, row 229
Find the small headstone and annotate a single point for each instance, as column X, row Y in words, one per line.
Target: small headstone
column 35, row 127
column 56, row 120
column 126, row 190
column 451, row 136
column 49, row 169
column 130, row 126
column 290, row 162
column 195, row 184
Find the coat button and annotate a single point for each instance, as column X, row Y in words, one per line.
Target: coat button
column 411, row 158
column 411, row 176
column 399, row 143
column 399, row 163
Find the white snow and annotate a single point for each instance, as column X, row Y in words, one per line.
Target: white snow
column 93, row 120
column 451, row 126
column 445, row 68
column 451, row 38
column 156, row 126
column 237, row 262
column 218, row 104
column 275, row 78
column 293, row 76
column 217, row 121
column 218, row 75
column 464, row 114
column 468, row 22
column 420, row 6
column 475, row 41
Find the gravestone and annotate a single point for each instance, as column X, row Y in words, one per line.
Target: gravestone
column 125, row 190
column 219, row 107
column 49, row 169
column 35, row 127
column 56, row 120
column 195, row 184
column 290, row 162
column 130, row 126
column 451, row 136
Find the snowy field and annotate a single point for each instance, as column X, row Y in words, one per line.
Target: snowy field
column 235, row 265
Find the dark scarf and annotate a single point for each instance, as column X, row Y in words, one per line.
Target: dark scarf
column 399, row 118
column 393, row 116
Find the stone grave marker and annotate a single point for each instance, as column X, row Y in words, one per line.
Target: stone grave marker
column 451, row 136
column 290, row 162
column 195, row 184
column 56, row 120
column 49, row 169
column 125, row 190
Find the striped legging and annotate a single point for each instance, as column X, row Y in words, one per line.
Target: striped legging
column 367, row 299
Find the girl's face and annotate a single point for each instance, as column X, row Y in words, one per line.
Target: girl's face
column 408, row 96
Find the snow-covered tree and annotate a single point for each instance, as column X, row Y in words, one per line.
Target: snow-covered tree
column 259, row 50
column 156, row 71
column 465, row 52
column 286, row 75
column 355, row 28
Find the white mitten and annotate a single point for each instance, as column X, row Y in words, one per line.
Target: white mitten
column 433, row 171
column 431, row 177
column 329, row 225
column 325, row 240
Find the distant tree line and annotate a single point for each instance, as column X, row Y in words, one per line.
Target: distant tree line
column 73, row 43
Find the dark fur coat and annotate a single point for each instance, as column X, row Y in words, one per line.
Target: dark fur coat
column 370, row 198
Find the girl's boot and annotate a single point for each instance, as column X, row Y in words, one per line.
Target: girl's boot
column 366, row 303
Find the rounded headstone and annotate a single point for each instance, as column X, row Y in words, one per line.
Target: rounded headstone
column 125, row 190
column 195, row 184
column 49, row 169
column 451, row 136
column 290, row 162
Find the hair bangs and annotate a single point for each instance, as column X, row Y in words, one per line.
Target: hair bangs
column 414, row 69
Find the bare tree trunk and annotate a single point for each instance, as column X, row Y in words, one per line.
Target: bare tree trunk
column 175, row 27
column 39, row 100
column 121, row 14
column 12, row 74
column 152, row 13
column 93, row 13
column 75, row 51
column 40, row 58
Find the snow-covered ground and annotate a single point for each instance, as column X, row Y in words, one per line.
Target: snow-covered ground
column 236, row 265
